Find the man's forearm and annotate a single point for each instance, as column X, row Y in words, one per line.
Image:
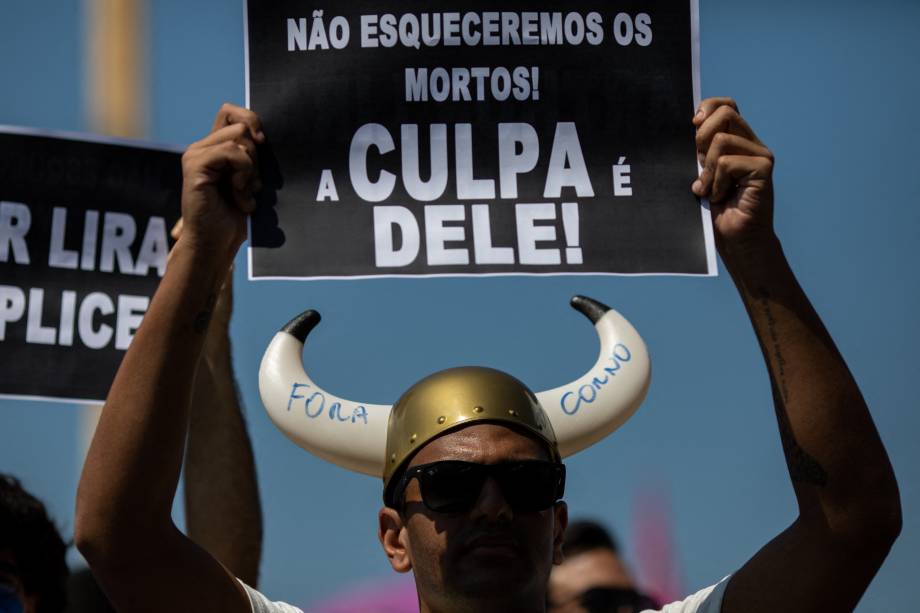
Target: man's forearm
column 132, row 469
column 222, row 508
column 841, row 473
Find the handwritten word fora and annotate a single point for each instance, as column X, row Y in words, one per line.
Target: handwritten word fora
column 571, row 402
column 315, row 405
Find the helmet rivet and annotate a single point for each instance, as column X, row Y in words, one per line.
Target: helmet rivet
column 512, row 412
column 393, row 458
column 478, row 409
column 441, row 419
column 412, row 438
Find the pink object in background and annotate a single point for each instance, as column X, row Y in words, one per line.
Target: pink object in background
column 658, row 570
column 383, row 596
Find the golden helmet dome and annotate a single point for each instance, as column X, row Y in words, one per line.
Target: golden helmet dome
column 456, row 397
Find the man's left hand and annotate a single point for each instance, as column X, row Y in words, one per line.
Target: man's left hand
column 737, row 176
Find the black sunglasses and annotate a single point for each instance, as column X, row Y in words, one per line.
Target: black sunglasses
column 453, row 486
column 606, row 599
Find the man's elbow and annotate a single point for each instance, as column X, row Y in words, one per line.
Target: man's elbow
column 94, row 535
column 872, row 526
column 101, row 538
column 89, row 536
column 891, row 522
column 885, row 509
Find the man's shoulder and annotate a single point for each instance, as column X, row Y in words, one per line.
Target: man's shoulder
column 261, row 604
column 707, row 600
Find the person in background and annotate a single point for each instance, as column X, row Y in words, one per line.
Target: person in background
column 593, row 578
column 33, row 571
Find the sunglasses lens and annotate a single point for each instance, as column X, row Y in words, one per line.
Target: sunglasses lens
column 454, row 486
column 530, row 486
column 450, row 487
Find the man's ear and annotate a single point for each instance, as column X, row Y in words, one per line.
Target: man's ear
column 394, row 537
column 561, row 517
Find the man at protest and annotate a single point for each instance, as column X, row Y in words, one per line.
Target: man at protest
column 480, row 543
column 33, row 569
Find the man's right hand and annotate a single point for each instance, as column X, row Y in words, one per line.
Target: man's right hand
column 220, row 174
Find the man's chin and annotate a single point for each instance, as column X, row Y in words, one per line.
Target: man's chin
column 491, row 570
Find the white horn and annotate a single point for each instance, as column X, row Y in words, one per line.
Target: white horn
column 353, row 434
column 350, row 434
column 588, row 409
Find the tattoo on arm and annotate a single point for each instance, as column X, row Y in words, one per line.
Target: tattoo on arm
column 773, row 346
column 803, row 468
column 203, row 318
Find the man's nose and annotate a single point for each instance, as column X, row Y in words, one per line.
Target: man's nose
column 491, row 503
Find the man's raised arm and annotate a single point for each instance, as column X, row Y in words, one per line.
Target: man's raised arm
column 849, row 507
column 222, row 510
column 123, row 523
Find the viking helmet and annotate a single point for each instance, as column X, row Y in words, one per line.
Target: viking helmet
column 457, row 397
column 378, row 439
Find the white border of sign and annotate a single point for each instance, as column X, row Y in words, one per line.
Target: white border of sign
column 80, row 401
column 90, row 138
column 711, row 264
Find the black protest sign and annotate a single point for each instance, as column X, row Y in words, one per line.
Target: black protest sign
column 84, row 229
column 421, row 138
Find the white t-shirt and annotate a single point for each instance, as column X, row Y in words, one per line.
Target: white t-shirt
column 708, row 600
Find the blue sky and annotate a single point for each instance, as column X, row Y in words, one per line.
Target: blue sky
column 831, row 87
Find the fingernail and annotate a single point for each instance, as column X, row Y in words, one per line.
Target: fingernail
column 697, row 186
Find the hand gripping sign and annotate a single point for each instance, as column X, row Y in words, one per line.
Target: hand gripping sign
column 580, row 413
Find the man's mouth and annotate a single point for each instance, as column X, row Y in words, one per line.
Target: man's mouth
column 493, row 543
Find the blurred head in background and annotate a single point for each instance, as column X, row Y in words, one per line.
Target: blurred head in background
column 593, row 578
column 33, row 570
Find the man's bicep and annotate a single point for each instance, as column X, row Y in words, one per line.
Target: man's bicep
column 173, row 574
column 802, row 569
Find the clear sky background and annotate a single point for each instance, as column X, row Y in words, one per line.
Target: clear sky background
column 831, row 87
